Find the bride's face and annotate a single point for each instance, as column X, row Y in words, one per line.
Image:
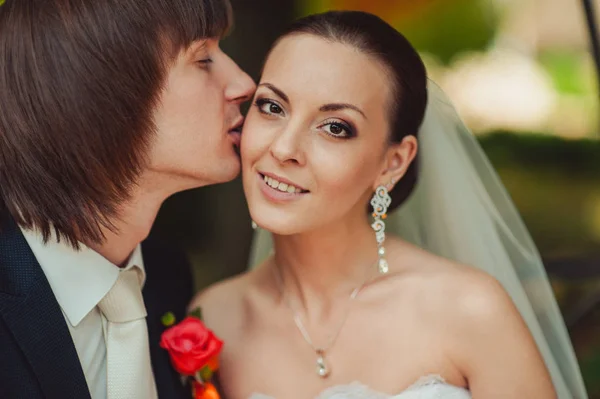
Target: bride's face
column 314, row 141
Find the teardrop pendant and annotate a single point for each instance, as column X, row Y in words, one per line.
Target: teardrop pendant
column 322, row 368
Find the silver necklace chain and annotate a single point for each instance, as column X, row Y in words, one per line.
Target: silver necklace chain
column 323, row 369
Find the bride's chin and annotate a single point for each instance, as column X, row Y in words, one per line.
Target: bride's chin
column 278, row 226
column 277, row 229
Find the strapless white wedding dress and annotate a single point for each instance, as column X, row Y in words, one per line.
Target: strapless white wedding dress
column 430, row 387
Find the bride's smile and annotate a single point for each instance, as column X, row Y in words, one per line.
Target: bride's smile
column 278, row 189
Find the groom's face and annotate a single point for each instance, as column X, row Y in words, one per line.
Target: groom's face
column 198, row 116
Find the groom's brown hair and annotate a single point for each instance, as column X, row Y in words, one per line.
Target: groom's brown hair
column 79, row 80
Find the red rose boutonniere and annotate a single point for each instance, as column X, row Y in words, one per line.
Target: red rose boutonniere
column 194, row 352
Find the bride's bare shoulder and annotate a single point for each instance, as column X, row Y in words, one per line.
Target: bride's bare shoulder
column 445, row 287
column 472, row 317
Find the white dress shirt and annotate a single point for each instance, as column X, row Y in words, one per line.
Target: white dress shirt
column 79, row 280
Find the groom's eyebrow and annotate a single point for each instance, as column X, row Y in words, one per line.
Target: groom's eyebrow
column 277, row 91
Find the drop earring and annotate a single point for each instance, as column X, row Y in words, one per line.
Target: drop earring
column 380, row 202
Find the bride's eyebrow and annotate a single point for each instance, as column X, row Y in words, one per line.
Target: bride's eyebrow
column 323, row 108
column 277, row 91
column 341, row 106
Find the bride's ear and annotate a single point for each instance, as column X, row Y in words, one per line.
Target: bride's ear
column 398, row 158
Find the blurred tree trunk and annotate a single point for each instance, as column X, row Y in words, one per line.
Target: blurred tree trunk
column 212, row 224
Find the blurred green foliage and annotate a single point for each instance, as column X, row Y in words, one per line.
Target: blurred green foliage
column 554, row 183
column 590, row 368
column 565, row 69
column 579, row 157
column 447, row 28
column 439, row 27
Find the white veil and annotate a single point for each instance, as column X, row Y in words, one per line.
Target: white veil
column 460, row 210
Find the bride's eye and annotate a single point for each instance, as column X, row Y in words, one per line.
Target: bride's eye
column 268, row 107
column 338, row 129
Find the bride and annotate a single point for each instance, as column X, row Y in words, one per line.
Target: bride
column 341, row 308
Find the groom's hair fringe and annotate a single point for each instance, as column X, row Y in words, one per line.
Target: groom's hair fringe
column 79, row 81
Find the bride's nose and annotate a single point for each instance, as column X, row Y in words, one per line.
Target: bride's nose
column 287, row 147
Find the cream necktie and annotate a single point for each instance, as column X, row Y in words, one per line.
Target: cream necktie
column 129, row 370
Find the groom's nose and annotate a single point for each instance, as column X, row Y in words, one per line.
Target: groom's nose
column 240, row 86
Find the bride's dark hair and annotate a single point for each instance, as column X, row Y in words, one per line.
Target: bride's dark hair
column 373, row 36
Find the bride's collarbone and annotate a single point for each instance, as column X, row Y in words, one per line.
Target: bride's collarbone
column 399, row 317
column 375, row 362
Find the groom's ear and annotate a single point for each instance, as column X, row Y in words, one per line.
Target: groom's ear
column 398, row 158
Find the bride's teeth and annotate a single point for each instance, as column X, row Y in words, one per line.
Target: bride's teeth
column 283, row 187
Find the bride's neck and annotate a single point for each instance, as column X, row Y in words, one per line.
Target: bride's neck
column 324, row 265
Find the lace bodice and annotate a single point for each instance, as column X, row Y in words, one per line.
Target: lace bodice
column 430, row 387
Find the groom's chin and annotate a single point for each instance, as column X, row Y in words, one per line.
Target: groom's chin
column 227, row 171
column 224, row 171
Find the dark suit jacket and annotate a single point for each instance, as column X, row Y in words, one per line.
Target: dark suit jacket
column 37, row 355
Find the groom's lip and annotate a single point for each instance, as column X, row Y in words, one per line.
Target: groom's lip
column 235, row 133
column 237, row 126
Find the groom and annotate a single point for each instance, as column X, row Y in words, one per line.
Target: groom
column 106, row 109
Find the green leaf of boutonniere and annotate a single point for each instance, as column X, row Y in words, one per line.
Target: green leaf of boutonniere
column 197, row 313
column 168, row 318
column 206, row 373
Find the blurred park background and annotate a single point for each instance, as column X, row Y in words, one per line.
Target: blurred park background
column 522, row 76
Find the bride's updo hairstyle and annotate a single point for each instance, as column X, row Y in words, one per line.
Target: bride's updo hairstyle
column 374, row 37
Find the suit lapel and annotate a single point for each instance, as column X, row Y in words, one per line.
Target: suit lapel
column 159, row 299
column 168, row 383
column 31, row 312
